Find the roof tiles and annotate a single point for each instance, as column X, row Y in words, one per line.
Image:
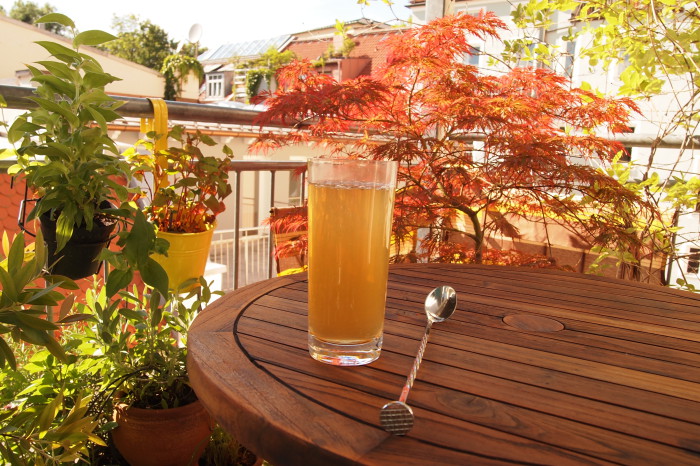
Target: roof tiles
column 368, row 45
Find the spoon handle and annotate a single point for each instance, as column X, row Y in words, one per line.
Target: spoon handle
column 416, row 363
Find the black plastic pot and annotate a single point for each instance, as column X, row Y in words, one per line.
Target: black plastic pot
column 77, row 258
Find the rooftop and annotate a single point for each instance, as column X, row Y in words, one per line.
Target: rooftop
column 244, row 49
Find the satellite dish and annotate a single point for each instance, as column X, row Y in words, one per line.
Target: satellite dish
column 195, row 33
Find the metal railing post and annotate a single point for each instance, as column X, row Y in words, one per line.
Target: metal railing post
column 236, row 231
column 271, row 243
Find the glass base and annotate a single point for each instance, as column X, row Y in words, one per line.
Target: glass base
column 344, row 355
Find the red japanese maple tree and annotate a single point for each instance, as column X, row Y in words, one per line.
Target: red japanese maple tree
column 423, row 108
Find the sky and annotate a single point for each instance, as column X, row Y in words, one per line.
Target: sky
column 223, row 21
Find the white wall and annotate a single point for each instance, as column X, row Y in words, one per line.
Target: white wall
column 655, row 112
column 18, row 49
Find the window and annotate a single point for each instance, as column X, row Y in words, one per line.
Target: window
column 694, row 260
column 295, row 189
column 472, row 58
column 215, row 85
column 569, row 60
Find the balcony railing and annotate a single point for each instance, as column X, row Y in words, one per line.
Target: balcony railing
column 247, row 265
column 247, row 252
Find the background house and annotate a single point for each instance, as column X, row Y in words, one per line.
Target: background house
column 18, row 49
column 653, row 118
column 17, row 42
column 344, row 52
column 223, row 79
column 347, row 53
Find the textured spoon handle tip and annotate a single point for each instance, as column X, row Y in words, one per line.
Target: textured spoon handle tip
column 396, row 418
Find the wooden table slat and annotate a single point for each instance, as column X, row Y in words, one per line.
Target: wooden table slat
column 509, row 370
column 535, row 367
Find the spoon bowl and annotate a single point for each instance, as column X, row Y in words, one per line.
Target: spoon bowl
column 440, row 303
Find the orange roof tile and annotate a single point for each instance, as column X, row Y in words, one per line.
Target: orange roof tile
column 368, row 45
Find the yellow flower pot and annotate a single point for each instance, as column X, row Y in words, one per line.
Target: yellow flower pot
column 187, row 255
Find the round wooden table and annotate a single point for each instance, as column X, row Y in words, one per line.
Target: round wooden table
column 535, row 366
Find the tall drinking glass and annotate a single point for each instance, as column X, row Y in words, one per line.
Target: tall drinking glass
column 350, row 212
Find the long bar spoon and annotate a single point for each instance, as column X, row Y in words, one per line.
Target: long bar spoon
column 396, row 417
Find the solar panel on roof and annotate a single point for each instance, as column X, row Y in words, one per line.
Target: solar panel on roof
column 245, row 49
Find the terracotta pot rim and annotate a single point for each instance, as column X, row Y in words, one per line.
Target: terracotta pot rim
column 184, row 410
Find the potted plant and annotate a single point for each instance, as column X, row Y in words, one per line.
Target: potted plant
column 66, row 155
column 143, row 336
column 185, row 190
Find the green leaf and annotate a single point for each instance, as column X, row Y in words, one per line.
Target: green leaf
column 95, row 94
column 64, row 229
column 66, row 307
column 56, row 349
column 75, row 318
column 97, row 116
column 61, row 282
column 56, row 18
column 15, row 258
column 7, row 354
column 131, row 314
column 34, row 322
column 48, row 414
column 61, row 70
column 108, row 114
column 19, row 127
column 154, row 275
column 8, row 285
column 117, row 280
column 92, row 37
column 60, row 108
column 41, row 297
column 25, row 275
column 156, row 310
column 57, row 85
column 33, row 336
column 59, row 51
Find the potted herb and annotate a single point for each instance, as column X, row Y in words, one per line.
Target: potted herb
column 143, row 336
column 66, row 155
column 186, row 190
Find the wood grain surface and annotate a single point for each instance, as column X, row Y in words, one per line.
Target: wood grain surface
column 534, row 367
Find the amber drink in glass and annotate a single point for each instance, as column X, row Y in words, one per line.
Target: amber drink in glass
column 350, row 212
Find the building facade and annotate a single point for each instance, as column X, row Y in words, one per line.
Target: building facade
column 652, row 121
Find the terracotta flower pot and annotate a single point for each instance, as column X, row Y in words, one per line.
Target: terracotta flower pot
column 162, row 437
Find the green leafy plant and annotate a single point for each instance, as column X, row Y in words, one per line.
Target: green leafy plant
column 65, row 153
column 44, row 403
column 68, row 158
column 188, row 188
column 57, row 432
column 23, row 298
column 176, row 70
column 143, row 335
column 264, row 68
column 654, row 46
